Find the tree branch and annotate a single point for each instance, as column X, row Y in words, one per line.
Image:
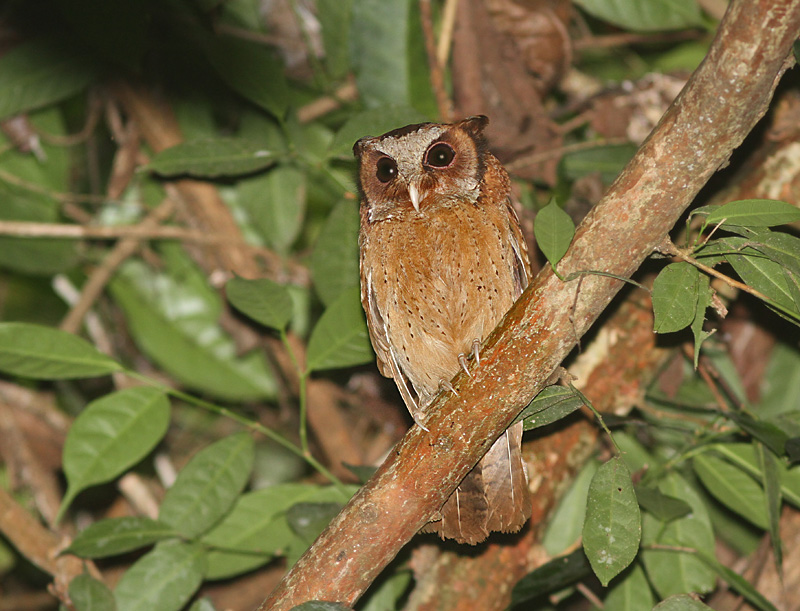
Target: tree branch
column 719, row 106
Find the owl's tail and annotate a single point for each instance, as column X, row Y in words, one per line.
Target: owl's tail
column 494, row 496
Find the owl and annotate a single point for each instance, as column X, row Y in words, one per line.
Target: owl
column 442, row 259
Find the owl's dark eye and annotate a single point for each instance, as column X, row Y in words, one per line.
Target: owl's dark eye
column 440, row 155
column 386, row 169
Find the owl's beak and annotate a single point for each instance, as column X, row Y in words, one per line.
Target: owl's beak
column 413, row 193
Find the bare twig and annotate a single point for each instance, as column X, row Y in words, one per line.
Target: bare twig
column 668, row 247
column 557, row 153
column 446, row 35
column 99, row 278
column 443, row 102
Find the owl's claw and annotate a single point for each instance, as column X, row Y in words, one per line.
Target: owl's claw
column 462, row 360
column 476, row 350
column 446, row 385
column 476, row 354
column 418, row 416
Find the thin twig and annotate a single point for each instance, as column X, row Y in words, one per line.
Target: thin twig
column 100, row 276
column 684, row 256
column 446, row 35
column 24, row 229
column 525, row 162
column 322, row 106
column 56, row 195
column 95, row 110
column 437, row 73
column 619, row 40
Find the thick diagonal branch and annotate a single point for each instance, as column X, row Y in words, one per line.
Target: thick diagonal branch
column 721, row 103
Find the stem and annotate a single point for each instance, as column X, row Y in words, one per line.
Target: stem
column 302, row 381
column 246, row 422
column 597, row 415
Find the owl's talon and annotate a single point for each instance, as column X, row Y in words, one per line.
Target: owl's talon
column 476, row 350
column 462, row 360
column 418, row 415
column 446, row 385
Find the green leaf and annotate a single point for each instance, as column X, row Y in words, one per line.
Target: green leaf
column 251, row 70
column 164, row 579
column 793, row 450
column 646, row 15
column 613, row 526
column 324, row 496
column 738, row 583
column 39, row 73
column 555, row 575
column 608, row 160
column 631, row 592
column 334, row 262
column 783, row 248
column 372, row 122
column 565, row 527
column 263, row 300
column 553, row 229
column 212, row 157
column 705, row 295
column 550, row 405
column 335, row 17
column 754, row 213
column 255, row 530
column 664, row 507
column 783, row 372
column 207, row 487
column 89, row 594
column 340, row 337
column 768, row 433
column 384, row 594
column 672, row 572
column 773, row 499
column 203, row 604
column 733, row 488
column 40, row 256
column 764, row 275
column 675, row 297
column 112, row 434
column 744, row 456
column 43, row 353
column 276, row 203
column 308, row 520
column 381, row 52
column 117, row 536
column 680, row 602
column 173, row 315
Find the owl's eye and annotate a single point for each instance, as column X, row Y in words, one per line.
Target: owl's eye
column 440, row 155
column 386, row 169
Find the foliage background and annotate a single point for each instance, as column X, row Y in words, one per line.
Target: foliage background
column 158, row 155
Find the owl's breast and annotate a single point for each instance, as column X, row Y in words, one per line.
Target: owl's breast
column 441, row 280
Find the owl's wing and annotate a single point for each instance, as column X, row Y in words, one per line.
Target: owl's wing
column 379, row 335
column 522, row 266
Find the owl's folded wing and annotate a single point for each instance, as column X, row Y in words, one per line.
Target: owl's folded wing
column 388, row 364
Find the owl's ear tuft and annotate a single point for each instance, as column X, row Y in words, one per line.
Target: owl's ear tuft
column 358, row 147
column 475, row 125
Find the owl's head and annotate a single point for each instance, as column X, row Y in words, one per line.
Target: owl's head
column 421, row 165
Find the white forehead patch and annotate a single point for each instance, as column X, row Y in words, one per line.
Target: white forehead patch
column 407, row 150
